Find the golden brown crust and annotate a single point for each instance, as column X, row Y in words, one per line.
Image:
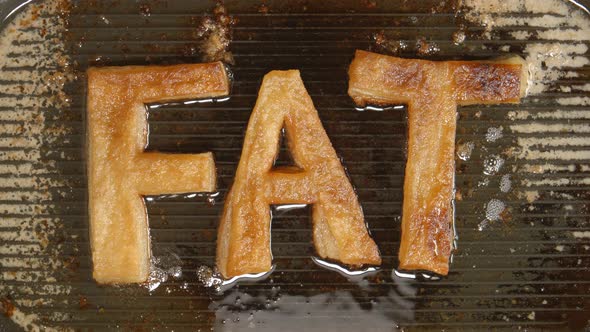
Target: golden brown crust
column 120, row 172
column 339, row 230
column 432, row 90
column 481, row 83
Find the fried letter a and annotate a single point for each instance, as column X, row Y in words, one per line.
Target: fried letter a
column 339, row 230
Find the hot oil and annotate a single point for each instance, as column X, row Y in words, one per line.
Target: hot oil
column 346, row 310
column 353, row 298
column 356, row 275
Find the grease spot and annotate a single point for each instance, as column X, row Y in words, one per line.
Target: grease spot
column 492, row 165
column 465, row 150
column 494, row 134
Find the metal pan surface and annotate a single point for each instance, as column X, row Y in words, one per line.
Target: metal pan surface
column 522, row 171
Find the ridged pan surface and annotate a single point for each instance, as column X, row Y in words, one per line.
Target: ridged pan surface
column 522, row 171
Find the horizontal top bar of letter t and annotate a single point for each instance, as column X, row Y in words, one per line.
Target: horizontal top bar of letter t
column 120, row 172
column 432, row 91
column 339, row 230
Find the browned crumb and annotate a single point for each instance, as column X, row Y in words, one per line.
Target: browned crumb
column 390, row 46
column 426, row 48
column 216, row 35
column 145, row 10
column 458, row 37
column 506, row 216
column 83, row 302
column 369, row 4
column 263, row 9
column 379, row 38
column 34, row 15
column 64, row 8
column 6, row 307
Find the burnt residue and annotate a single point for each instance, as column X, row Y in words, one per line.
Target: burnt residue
column 6, row 307
column 425, row 48
column 387, row 45
column 263, row 8
column 215, row 35
column 145, row 9
column 83, row 303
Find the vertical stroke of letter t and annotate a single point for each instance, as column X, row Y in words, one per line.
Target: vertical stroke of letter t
column 120, row 172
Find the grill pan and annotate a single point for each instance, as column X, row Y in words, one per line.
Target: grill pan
column 522, row 219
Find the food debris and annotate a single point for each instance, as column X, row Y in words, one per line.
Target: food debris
column 83, row 302
column 263, row 9
column 145, row 10
column 458, row 37
column 426, row 48
column 389, row 45
column 216, row 33
column 464, row 150
column 6, row 307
